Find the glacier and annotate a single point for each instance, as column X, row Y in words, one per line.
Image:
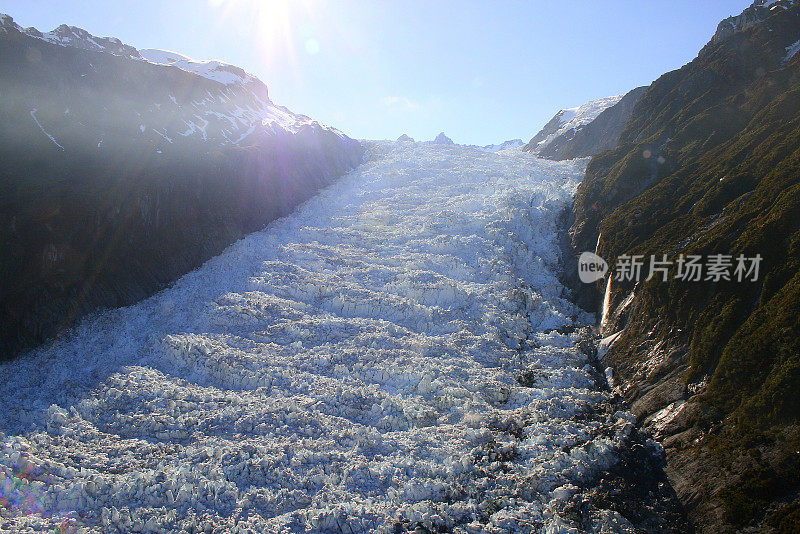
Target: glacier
column 397, row 354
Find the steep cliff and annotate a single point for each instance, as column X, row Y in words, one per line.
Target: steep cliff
column 709, row 164
column 119, row 174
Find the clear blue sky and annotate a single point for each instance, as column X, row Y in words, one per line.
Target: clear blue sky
column 481, row 71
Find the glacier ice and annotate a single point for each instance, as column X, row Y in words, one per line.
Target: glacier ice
column 351, row 367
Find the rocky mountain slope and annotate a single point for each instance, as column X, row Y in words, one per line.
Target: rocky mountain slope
column 709, row 164
column 122, row 170
column 584, row 130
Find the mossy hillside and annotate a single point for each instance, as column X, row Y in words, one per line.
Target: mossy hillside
column 710, row 163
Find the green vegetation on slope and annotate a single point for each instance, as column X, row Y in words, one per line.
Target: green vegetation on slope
column 710, row 164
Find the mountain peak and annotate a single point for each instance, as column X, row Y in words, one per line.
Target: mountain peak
column 231, row 109
column 442, row 139
column 72, row 36
column 566, row 124
column 505, row 145
column 75, row 37
column 758, row 11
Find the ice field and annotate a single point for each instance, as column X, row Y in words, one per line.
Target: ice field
column 387, row 358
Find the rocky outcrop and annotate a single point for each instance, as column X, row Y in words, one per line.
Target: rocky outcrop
column 709, row 163
column 405, row 139
column 119, row 175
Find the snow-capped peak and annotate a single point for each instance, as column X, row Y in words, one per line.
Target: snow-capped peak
column 586, row 113
column 218, row 71
column 71, row 36
column 229, row 113
column 75, row 37
column 567, row 122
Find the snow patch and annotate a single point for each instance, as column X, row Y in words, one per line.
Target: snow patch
column 164, row 136
column 33, row 116
column 791, row 50
column 215, row 70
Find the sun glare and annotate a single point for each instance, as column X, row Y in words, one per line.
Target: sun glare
column 273, row 26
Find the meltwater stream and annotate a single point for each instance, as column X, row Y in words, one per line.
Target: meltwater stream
column 387, row 358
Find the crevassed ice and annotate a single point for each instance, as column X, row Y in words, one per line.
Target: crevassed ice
column 350, row 368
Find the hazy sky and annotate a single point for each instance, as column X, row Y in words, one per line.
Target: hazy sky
column 481, row 71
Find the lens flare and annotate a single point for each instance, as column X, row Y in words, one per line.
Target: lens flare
column 272, row 25
column 16, row 491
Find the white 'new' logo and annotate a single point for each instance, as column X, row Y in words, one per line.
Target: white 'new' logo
column 591, row 267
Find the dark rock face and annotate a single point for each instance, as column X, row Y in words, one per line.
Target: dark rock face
column 105, row 200
column 600, row 134
column 709, row 163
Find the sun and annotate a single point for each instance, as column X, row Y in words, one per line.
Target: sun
column 278, row 29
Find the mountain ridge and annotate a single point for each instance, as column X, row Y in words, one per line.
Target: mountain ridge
column 232, row 109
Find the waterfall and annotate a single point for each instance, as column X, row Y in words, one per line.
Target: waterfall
column 606, row 304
